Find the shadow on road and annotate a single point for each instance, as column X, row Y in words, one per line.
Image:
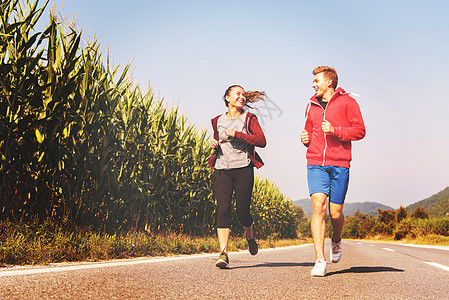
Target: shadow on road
column 276, row 265
column 365, row 270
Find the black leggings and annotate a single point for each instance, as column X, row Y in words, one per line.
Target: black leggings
column 241, row 181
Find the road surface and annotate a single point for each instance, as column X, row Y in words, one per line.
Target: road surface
column 368, row 270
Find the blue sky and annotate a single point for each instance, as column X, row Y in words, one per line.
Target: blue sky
column 394, row 54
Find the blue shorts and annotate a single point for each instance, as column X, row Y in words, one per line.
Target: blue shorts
column 330, row 180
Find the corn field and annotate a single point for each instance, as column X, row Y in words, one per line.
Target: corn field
column 81, row 144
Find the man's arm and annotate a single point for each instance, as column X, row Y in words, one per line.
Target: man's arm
column 356, row 130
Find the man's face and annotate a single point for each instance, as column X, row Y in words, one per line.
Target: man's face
column 320, row 84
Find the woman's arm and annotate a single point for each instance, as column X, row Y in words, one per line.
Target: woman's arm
column 257, row 138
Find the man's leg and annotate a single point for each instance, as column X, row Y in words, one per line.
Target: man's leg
column 337, row 220
column 317, row 224
column 339, row 187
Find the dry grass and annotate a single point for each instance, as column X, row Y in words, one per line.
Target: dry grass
column 50, row 243
column 430, row 239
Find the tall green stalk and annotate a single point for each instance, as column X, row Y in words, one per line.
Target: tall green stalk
column 81, row 144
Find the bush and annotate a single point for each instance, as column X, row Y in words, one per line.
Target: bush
column 440, row 226
column 412, row 228
column 358, row 226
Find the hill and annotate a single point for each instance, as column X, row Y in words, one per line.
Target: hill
column 369, row 208
column 436, row 205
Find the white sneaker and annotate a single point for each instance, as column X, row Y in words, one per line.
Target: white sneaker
column 336, row 250
column 320, row 268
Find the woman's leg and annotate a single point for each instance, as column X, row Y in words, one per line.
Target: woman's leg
column 243, row 184
column 223, row 189
column 223, row 238
column 249, row 232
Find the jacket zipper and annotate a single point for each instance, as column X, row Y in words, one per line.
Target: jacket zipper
column 325, row 136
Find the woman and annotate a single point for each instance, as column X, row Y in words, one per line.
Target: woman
column 236, row 133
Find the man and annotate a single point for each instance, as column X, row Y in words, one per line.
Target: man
column 333, row 120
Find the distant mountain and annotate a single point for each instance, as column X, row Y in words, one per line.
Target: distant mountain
column 306, row 205
column 436, row 205
column 369, row 208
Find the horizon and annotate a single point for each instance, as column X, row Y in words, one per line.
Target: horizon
column 308, row 198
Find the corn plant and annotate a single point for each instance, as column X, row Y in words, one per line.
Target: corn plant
column 81, row 144
column 274, row 212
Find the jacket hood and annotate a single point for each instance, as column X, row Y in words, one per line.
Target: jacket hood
column 339, row 91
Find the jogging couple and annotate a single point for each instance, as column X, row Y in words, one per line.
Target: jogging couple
column 332, row 120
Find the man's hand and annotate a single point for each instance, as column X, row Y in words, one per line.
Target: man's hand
column 213, row 143
column 305, row 137
column 327, row 127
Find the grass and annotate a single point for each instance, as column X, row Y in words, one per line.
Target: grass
column 48, row 243
column 40, row 244
column 430, row 239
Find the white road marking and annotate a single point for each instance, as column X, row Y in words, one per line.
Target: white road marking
column 427, row 246
column 446, row 248
column 388, row 249
column 437, row 265
column 138, row 261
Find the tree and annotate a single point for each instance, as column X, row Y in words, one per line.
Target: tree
column 420, row 213
column 358, row 226
column 401, row 214
column 303, row 222
column 386, row 216
column 386, row 221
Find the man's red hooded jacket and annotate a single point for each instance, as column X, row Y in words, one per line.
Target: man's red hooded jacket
column 343, row 112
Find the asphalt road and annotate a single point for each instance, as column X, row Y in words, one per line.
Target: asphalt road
column 367, row 270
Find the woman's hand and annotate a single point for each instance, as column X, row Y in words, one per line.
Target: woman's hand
column 230, row 132
column 213, row 143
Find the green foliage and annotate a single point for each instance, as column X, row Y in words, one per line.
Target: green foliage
column 412, row 227
column 51, row 242
column 386, row 221
column 401, row 214
column 274, row 213
column 420, row 213
column 359, row 226
column 397, row 224
column 82, row 145
column 303, row 222
column 440, row 225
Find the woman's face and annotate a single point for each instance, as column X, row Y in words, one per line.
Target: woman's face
column 236, row 98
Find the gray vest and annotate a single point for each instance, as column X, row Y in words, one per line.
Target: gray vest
column 232, row 152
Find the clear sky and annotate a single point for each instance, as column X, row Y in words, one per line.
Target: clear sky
column 393, row 54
